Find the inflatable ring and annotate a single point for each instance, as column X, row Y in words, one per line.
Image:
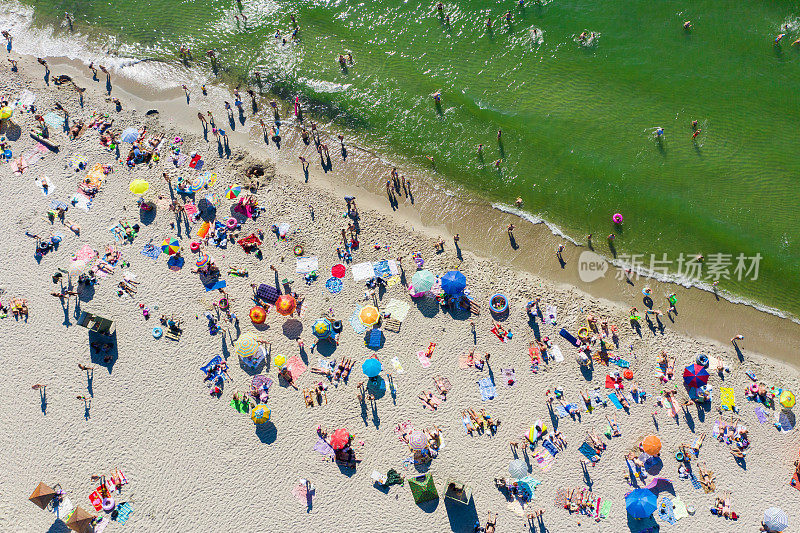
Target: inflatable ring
column 628, row 374
column 231, row 223
column 679, row 457
column 337, row 326
column 583, row 332
column 157, row 332
column 223, row 303
column 109, row 504
column 298, row 250
column 194, row 246
column 498, row 303
column 702, row 360
column 754, row 388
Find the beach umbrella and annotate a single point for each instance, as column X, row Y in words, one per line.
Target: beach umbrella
column 417, row 440
column 787, row 399
column 42, row 495
column 76, row 267
column 775, row 520
column 6, row 112
column 695, row 375
column 139, row 186
column 258, row 314
column 285, row 304
column 196, row 184
column 518, row 468
column 81, row 520
column 129, row 135
column 651, row 445
column 202, row 259
column 337, row 271
column 209, row 178
column 340, row 439
column 280, row 360
column 641, row 503
column 233, row 192
column 369, row 315
column 247, row 345
column 260, row 413
column 371, row 367
column 454, row 282
column 322, row 328
column 171, row 246
column 423, row 280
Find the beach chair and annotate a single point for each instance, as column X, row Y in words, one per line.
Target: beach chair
column 373, row 339
column 391, row 324
column 458, row 492
column 96, row 323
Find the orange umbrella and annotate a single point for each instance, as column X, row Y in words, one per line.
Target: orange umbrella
column 651, row 445
column 285, row 304
column 258, row 314
column 369, row 315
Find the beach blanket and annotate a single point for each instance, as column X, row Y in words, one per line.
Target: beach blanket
column 761, row 415
column 550, row 447
column 362, row 271
column 486, row 388
column 613, row 399
column 398, row 309
column 334, row 285
column 559, row 410
column 543, row 460
column 355, row 322
column 381, row 269
column 306, row 265
column 551, row 314
column 324, row 448
column 555, row 351
column 786, row 423
column 727, row 398
column 398, row 367
column 220, row 284
column 100, row 527
column 151, row 251
column 527, row 486
column 596, row 399
column 605, row 509
column 81, row 201
column 696, row 484
column 54, row 120
column 124, row 511
column 509, row 378
column 296, row 367
column 679, row 510
column 240, row 406
column 665, row 511
column 588, row 452
column 424, row 360
column 392, row 281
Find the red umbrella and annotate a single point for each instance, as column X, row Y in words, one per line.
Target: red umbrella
column 340, row 439
column 695, row 376
column 337, row 271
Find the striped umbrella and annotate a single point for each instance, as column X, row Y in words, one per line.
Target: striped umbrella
column 247, row 345
column 775, row 519
column 260, row 414
column 233, row 192
column 202, row 259
column 417, row 440
column 209, row 178
column 196, row 184
column 171, row 246
column 423, row 280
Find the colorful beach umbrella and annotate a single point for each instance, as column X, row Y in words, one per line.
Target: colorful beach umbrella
column 369, row 315
column 202, row 259
column 417, row 440
column 518, row 468
column 171, row 246
column 695, row 376
column 787, row 399
column 371, row 367
column 6, row 112
column 196, row 184
column 322, row 328
column 129, row 135
column 260, row 413
column 454, row 282
column 139, row 186
column 233, row 192
column 247, row 345
column 423, row 280
column 209, row 178
column 340, row 439
column 775, row 520
column 258, row 314
column 651, row 445
column 641, row 503
column 285, row 304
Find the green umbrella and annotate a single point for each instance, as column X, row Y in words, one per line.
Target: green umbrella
column 423, row 280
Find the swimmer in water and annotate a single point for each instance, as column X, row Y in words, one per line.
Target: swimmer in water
column 696, row 133
column 480, row 148
column 489, row 23
column 498, row 163
column 795, row 43
column 779, row 37
column 694, row 125
column 509, row 17
column 687, row 25
column 518, row 202
column 437, row 97
column 583, row 36
column 659, row 132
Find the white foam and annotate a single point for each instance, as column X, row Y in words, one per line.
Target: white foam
column 534, row 219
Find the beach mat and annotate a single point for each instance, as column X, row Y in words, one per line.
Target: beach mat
column 487, row 389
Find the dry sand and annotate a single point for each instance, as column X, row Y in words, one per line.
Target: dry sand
column 194, row 463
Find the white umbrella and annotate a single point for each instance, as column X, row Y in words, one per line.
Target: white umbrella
column 775, row 520
column 129, row 135
column 518, row 468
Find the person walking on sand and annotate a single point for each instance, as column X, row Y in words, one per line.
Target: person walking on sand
column 510, row 229
column 735, row 340
column 559, row 251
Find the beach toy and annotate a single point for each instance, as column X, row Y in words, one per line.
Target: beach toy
column 583, row 333
column 6, row 112
column 258, row 314
column 617, row 218
column 787, row 399
column 194, row 246
column 369, row 315
column 498, row 303
column 285, row 304
column 337, row 271
column 260, row 414
column 171, row 246
column 108, row 504
column 280, row 360
column 231, row 223
column 157, row 332
column 679, row 457
column 702, row 359
column 298, row 250
column 337, row 326
column 754, row 388
column 203, row 231
column 139, row 186
column 628, row 374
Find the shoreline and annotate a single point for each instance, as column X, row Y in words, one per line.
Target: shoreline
column 440, row 213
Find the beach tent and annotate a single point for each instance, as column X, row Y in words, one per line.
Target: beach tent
column 42, row 495
column 775, row 520
column 458, row 492
column 423, row 488
column 268, row 293
column 641, row 503
column 454, row 282
column 81, row 521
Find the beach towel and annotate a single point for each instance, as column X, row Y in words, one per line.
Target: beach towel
column 46, row 191
column 324, row 448
column 555, row 351
column 569, row 337
column 551, row 314
column 696, row 484
column 529, row 484
column 760, row 414
column 509, row 378
column 543, row 460
column 151, row 251
column 381, row 269
column 550, row 447
column 96, row 501
column 679, row 510
column 596, row 399
column 486, row 388
column 613, row 399
column 100, row 527
column 124, row 511
column 392, row 281
column 589, row 452
column 334, row 285
column 403, row 427
column 296, row 367
column 398, row 367
column 398, row 309
column 240, row 406
column 219, row 284
column 306, row 265
column 62, row 510
column 605, row 509
column 559, row 410
column 362, row 271
column 424, row 360
column 54, row 120
column 727, row 398
column 622, row 363
column 665, row 512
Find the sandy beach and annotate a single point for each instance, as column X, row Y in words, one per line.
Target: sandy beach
column 193, row 462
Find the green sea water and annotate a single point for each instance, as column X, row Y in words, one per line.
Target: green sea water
column 578, row 120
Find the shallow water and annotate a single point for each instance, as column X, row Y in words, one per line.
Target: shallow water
column 578, row 121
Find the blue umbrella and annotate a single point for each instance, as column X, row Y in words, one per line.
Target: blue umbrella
column 641, row 503
column 454, row 282
column 371, row 367
column 129, row 135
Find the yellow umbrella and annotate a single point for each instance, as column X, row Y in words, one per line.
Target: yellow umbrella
column 247, row 345
column 260, row 413
column 369, row 315
column 280, row 360
column 139, row 186
column 787, row 399
column 6, row 112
